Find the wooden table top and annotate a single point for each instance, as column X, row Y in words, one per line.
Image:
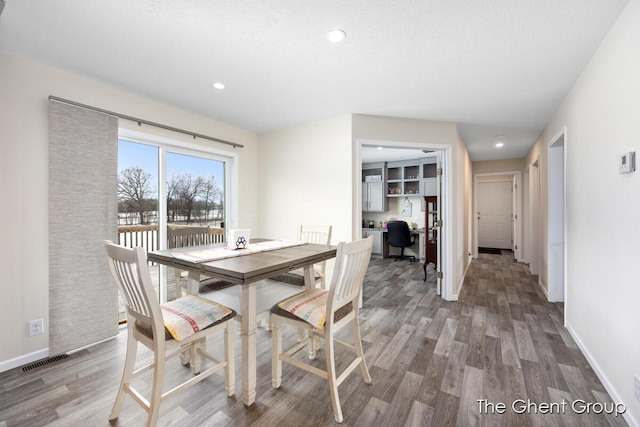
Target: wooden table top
column 251, row 267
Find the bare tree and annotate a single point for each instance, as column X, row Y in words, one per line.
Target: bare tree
column 210, row 193
column 134, row 189
column 189, row 190
column 173, row 198
column 190, row 198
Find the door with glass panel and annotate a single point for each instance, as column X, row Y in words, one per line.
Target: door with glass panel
column 162, row 188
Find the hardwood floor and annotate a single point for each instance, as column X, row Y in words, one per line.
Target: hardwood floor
column 430, row 361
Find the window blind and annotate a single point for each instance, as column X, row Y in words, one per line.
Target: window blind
column 83, row 156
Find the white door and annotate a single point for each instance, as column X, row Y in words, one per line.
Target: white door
column 494, row 215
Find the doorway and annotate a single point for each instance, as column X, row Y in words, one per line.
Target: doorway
column 534, row 213
column 494, row 215
column 443, row 153
column 556, row 231
column 497, row 201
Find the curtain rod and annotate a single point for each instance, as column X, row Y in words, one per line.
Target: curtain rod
column 142, row 121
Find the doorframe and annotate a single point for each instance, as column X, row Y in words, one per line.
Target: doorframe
column 500, row 177
column 526, row 255
column 446, row 232
column 557, row 216
column 533, row 220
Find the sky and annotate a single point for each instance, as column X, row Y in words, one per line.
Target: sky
column 146, row 156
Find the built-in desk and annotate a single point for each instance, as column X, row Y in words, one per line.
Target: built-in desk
column 381, row 245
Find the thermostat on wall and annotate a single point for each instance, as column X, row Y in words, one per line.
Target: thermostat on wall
column 627, row 162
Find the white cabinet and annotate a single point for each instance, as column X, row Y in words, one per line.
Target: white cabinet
column 373, row 199
column 377, row 239
column 430, row 187
column 373, row 187
column 403, row 178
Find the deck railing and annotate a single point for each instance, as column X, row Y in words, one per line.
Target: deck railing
column 147, row 235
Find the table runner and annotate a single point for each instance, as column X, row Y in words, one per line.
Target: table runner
column 222, row 252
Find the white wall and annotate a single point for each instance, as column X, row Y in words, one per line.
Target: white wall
column 305, row 177
column 603, row 297
column 24, row 88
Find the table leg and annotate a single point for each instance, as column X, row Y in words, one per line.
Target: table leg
column 193, row 283
column 248, row 333
column 309, row 283
column 193, row 288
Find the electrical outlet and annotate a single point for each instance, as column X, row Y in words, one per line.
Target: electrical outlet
column 637, row 387
column 36, row 327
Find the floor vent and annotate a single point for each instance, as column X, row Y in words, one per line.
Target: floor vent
column 43, row 362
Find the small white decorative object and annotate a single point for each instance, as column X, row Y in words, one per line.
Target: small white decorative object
column 238, row 239
column 406, row 208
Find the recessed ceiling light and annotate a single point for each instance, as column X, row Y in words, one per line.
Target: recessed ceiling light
column 380, row 148
column 218, row 85
column 499, row 144
column 336, row 35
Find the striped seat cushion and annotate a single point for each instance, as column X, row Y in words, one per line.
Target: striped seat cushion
column 310, row 307
column 185, row 316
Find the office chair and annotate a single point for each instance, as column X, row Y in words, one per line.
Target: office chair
column 399, row 236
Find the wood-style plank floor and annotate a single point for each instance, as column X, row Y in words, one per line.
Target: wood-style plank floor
column 430, row 361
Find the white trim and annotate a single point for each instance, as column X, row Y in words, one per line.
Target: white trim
column 164, row 145
column 544, row 289
column 553, row 294
column 500, row 177
column 534, row 208
column 464, row 275
column 525, row 212
column 615, row 396
column 180, row 147
column 24, row 359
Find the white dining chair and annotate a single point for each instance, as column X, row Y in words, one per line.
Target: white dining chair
column 323, row 313
column 189, row 236
column 167, row 330
column 319, row 234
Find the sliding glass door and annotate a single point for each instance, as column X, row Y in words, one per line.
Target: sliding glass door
column 163, row 185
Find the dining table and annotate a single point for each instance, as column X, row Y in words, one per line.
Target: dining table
column 262, row 259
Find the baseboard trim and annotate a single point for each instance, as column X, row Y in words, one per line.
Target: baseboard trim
column 544, row 290
column 24, row 359
column 629, row 418
column 454, row 297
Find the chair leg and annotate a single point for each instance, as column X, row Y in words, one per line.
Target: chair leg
column 331, row 377
column 156, row 389
column 313, row 345
column 276, row 350
column 129, row 363
column 357, row 343
column 196, row 359
column 229, row 353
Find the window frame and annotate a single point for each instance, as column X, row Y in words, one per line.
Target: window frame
column 165, row 145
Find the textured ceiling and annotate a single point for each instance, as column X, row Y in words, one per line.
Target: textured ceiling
column 494, row 66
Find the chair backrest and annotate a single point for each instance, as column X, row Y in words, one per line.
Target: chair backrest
column 398, row 234
column 131, row 273
column 352, row 260
column 180, row 237
column 320, row 234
